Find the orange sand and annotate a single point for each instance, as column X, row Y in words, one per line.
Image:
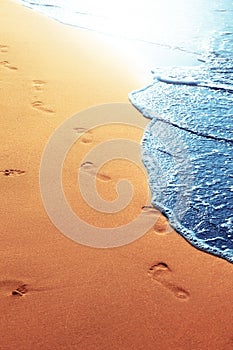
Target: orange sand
column 156, row 293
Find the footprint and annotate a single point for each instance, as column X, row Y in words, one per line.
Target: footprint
column 87, row 136
column 150, row 210
column 4, row 48
column 6, row 64
column 12, row 172
column 40, row 106
column 91, row 169
column 161, row 226
column 13, row 287
column 162, row 273
column 88, row 166
column 20, row 291
column 103, row 177
column 38, row 84
column 80, row 130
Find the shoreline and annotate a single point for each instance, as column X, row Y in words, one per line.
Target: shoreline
column 157, row 292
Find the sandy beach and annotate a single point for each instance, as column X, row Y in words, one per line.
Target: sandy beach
column 158, row 292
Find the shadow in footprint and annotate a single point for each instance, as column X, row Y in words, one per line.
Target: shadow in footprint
column 90, row 169
column 162, row 274
column 7, row 64
column 38, row 84
column 87, row 138
column 20, row 291
column 80, row 130
column 13, row 287
column 12, row 172
column 149, row 210
column 3, row 48
column 40, row 106
column 161, row 226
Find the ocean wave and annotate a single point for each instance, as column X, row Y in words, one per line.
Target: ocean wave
column 187, row 150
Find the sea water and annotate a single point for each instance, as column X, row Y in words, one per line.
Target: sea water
column 187, row 146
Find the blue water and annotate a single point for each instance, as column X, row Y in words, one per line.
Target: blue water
column 187, row 146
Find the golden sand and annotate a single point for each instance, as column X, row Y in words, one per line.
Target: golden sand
column 155, row 293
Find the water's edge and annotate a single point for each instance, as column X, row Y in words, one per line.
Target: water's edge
column 187, row 151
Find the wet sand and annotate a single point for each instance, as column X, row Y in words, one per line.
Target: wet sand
column 155, row 293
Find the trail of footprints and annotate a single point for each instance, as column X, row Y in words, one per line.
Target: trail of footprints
column 159, row 272
column 88, row 167
column 38, row 87
column 5, row 63
column 162, row 274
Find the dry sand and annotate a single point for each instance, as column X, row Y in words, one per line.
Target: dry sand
column 155, row 293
